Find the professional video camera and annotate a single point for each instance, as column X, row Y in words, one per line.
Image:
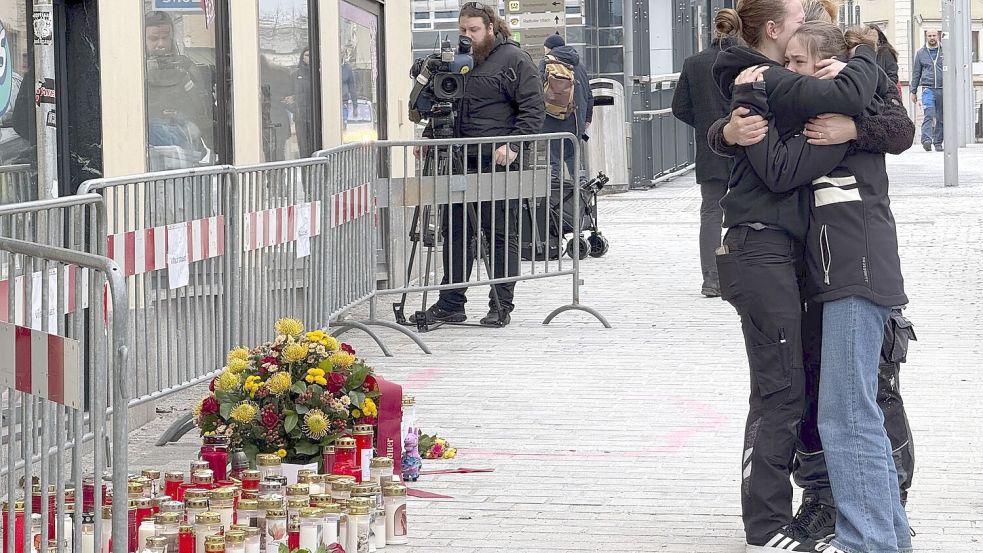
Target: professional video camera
column 440, row 86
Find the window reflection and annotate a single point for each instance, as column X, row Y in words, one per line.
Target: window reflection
column 359, row 74
column 180, row 88
column 18, row 160
column 286, row 80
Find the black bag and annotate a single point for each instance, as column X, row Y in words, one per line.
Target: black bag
column 539, row 243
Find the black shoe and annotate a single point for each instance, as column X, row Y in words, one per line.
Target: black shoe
column 436, row 314
column 790, row 538
column 816, row 519
column 927, row 146
column 938, row 148
column 496, row 318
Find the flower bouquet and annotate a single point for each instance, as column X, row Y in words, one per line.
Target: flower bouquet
column 291, row 396
column 434, row 447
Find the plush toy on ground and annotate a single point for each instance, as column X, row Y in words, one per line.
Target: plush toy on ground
column 411, row 456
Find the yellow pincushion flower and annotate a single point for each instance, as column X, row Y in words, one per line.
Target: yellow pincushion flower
column 342, row 359
column 369, row 408
column 321, row 337
column 244, row 412
column 238, row 353
column 281, row 453
column 294, row 352
column 315, row 424
column 289, row 327
column 196, row 410
column 237, row 365
column 227, row 381
column 252, row 384
column 279, row 383
column 316, row 376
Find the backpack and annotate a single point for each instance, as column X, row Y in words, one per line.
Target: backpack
column 558, row 86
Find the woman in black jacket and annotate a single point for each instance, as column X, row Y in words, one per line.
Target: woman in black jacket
column 854, row 270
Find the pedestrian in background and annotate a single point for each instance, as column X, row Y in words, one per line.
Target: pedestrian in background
column 580, row 113
column 926, row 72
column 698, row 103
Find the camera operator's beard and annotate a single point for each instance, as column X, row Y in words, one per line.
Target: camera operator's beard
column 483, row 49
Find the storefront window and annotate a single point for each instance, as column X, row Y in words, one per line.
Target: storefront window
column 181, row 84
column 286, row 80
column 18, row 160
column 360, row 87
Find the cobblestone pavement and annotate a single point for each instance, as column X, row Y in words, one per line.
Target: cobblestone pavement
column 629, row 439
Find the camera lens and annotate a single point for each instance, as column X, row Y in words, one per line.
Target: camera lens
column 448, row 86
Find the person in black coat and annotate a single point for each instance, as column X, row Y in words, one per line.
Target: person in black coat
column 503, row 98
column 698, row 102
column 583, row 100
column 303, row 105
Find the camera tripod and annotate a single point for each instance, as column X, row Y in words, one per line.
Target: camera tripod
column 421, row 231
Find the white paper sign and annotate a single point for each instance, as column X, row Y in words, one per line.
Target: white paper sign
column 367, row 455
column 36, row 290
column 302, row 230
column 177, row 255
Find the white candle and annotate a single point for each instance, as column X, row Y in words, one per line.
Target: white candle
column 308, row 537
column 147, row 530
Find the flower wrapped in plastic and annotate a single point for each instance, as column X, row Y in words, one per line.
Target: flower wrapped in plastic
column 291, row 396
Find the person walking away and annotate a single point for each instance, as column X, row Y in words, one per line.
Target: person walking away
column 926, row 72
column 698, row 102
column 574, row 118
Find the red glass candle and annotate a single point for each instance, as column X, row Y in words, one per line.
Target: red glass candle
column 215, row 450
column 88, row 493
column 186, row 539
column 203, row 480
column 344, row 461
column 327, row 459
column 185, row 486
column 172, row 480
column 250, row 479
column 293, row 535
column 18, row 527
column 363, row 436
column 131, row 526
column 145, row 510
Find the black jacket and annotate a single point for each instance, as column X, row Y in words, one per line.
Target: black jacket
column 503, row 96
column 795, row 98
column 698, row 102
column 582, row 96
column 852, row 243
column 888, row 61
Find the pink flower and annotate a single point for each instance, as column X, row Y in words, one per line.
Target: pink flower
column 210, row 406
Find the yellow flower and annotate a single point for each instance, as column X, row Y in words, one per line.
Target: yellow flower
column 289, row 327
column 356, row 413
column 369, row 408
column 238, row 353
column 281, row 453
column 321, row 337
column 237, row 365
column 342, row 359
column 252, row 384
column 315, row 424
column 244, row 412
column 227, row 381
column 196, row 410
column 294, row 352
column 449, row 453
column 279, row 383
column 316, row 376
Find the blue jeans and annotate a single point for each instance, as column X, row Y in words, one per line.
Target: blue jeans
column 932, row 130
column 869, row 515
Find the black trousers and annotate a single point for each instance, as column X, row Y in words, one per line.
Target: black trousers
column 499, row 224
column 760, row 277
column 809, row 470
column 711, row 217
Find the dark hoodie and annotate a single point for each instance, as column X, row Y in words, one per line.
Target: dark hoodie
column 795, row 99
column 583, row 98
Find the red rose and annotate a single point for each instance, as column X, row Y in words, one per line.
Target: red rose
column 370, row 383
column 336, row 381
column 347, row 349
column 211, row 385
column 270, row 419
column 210, row 406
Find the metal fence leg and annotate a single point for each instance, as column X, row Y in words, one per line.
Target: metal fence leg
column 176, row 431
column 577, row 307
column 346, row 325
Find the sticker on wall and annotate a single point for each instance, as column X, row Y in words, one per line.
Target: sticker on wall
column 45, row 93
column 50, row 120
column 6, row 73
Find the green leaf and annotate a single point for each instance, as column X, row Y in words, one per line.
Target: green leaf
column 290, row 422
column 373, row 394
column 251, row 450
column 316, row 389
column 302, row 409
column 306, row 448
column 299, row 387
column 225, row 409
column 284, row 548
column 357, row 377
column 358, row 398
column 324, row 365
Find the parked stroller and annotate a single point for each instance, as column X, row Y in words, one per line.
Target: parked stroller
column 541, row 237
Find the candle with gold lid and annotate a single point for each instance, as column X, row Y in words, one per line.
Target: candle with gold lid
column 221, row 502
column 395, row 506
column 345, row 462
column 194, row 507
column 269, row 464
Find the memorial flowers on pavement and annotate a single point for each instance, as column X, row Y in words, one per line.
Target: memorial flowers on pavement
column 291, row 396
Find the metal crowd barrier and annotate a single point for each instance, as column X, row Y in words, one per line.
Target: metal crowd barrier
column 661, row 145
column 17, row 184
column 455, row 218
column 171, row 235
column 61, row 379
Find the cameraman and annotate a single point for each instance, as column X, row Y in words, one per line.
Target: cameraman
column 503, row 97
